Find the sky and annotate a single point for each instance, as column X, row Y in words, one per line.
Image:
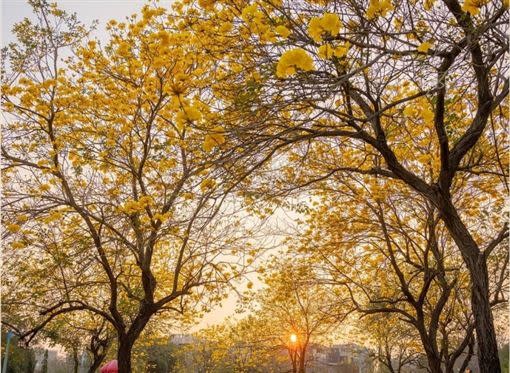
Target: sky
column 87, row 11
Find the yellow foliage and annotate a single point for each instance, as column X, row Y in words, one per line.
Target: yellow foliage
column 283, row 31
column 294, row 59
column 213, row 139
column 207, row 184
column 379, row 8
column 341, row 50
column 325, row 51
column 473, row 6
column 328, row 23
column 424, row 47
column 428, row 4
column 13, row 228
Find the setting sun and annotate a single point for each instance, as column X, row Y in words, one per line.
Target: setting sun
column 186, row 185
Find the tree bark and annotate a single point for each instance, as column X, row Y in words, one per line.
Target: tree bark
column 476, row 263
column 434, row 364
column 302, row 360
column 127, row 340
column 96, row 363
column 124, row 353
column 76, row 361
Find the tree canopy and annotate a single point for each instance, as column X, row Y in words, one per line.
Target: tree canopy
column 139, row 169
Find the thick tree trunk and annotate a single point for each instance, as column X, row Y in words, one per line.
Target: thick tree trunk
column 127, row 340
column 433, row 360
column 429, row 343
column 476, row 264
column 124, row 353
column 487, row 344
column 434, row 364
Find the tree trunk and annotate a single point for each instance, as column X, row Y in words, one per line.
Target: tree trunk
column 434, row 364
column 476, row 263
column 127, row 340
column 124, row 353
column 294, row 361
column 302, row 360
column 76, row 361
column 488, row 357
column 96, row 363
column 429, row 345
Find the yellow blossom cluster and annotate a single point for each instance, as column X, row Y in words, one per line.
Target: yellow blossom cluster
column 473, row 6
column 327, row 51
column 379, row 8
column 215, row 138
column 329, row 23
column 292, row 60
column 256, row 21
column 135, row 206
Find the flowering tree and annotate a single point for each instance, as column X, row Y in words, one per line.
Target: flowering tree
column 111, row 184
column 414, row 92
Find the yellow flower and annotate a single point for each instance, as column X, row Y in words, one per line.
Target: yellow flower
column 207, row 4
column 428, row 4
column 315, row 29
column 283, row 31
column 378, row 8
column 424, row 47
column 18, row 245
column 214, row 139
column 427, row 115
column 473, row 6
column 325, row 51
column 44, row 187
column 329, row 23
column 207, row 184
column 341, row 50
column 293, row 59
column 124, row 49
column 13, row 228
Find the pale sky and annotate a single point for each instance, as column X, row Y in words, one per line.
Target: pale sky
column 87, row 11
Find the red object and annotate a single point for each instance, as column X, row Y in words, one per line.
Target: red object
column 110, row 367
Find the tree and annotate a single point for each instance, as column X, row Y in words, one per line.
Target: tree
column 395, row 343
column 20, row 360
column 245, row 345
column 299, row 311
column 109, row 164
column 414, row 93
column 44, row 368
column 396, row 258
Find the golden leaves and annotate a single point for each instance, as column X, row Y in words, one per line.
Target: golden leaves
column 207, row 184
column 325, row 51
column 329, row 23
column 424, row 47
column 13, row 228
column 378, row 8
column 428, row 4
column 473, row 6
column 213, row 139
column 283, row 31
column 292, row 60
